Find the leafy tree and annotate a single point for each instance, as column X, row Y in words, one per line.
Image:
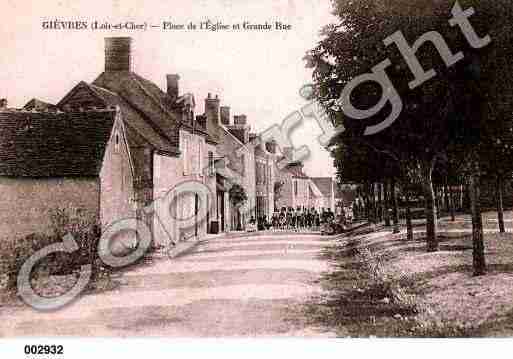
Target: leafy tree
column 440, row 118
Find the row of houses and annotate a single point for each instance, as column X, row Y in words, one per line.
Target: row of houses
column 113, row 147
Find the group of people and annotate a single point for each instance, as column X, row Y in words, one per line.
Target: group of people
column 301, row 219
column 290, row 219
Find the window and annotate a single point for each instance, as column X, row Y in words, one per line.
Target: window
column 211, row 168
column 295, row 187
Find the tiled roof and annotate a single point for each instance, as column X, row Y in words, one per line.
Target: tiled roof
column 136, row 121
column 145, row 98
column 43, row 144
column 38, row 105
column 133, row 119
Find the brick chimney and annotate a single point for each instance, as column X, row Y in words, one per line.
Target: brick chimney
column 173, row 89
column 212, row 114
column 240, row 120
column 225, row 115
column 212, row 108
column 118, row 55
column 3, row 103
column 240, row 129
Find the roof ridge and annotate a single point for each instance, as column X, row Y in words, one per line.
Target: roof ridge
column 150, row 95
column 95, row 87
column 232, row 135
column 150, row 123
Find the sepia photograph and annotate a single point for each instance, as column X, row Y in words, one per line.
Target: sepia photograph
column 255, row 170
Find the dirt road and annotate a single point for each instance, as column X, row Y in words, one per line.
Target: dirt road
column 231, row 286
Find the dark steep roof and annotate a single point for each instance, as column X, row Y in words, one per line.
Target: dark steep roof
column 144, row 97
column 42, row 144
column 133, row 120
column 38, row 105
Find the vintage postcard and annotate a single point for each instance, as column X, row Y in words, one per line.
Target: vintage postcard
column 254, row 169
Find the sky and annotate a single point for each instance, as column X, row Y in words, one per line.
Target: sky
column 257, row 73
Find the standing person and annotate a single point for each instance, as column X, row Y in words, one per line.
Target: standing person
column 282, row 218
column 317, row 220
column 294, row 219
column 331, row 215
column 289, row 218
column 324, row 220
column 299, row 219
column 274, row 220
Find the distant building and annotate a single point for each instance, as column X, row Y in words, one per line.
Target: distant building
column 295, row 184
column 238, row 157
column 265, row 159
column 327, row 188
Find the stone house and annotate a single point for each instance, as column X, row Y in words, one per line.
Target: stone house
column 239, row 160
column 296, row 185
column 265, row 164
column 160, row 144
column 249, row 164
column 328, row 191
column 169, row 145
column 54, row 160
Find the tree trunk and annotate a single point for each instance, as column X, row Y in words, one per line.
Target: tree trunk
column 368, row 204
column 439, row 203
column 436, row 189
column 372, row 193
column 395, row 210
column 446, row 197
column 478, row 255
column 409, row 226
column 466, row 200
column 380, row 202
column 500, row 206
column 452, row 203
column 431, row 218
column 386, row 203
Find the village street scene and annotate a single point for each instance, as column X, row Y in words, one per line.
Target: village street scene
column 133, row 206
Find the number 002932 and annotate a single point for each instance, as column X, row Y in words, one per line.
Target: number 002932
column 44, row 349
